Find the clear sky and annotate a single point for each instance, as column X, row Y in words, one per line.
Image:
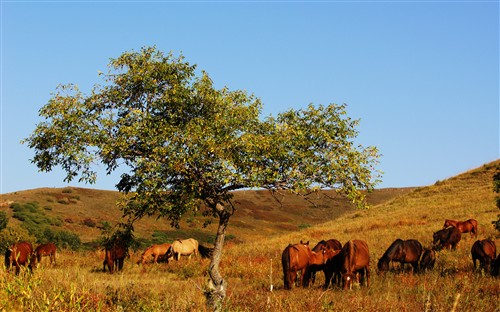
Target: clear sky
column 423, row 76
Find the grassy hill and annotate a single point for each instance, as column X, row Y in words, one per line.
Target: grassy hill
column 261, row 229
column 83, row 211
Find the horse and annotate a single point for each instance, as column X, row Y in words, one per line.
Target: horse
column 296, row 258
column 155, row 251
column 185, row 247
column 355, row 258
column 19, row 254
column 427, row 260
column 115, row 256
column 402, row 251
column 463, row 226
column 334, row 247
column 485, row 251
column 448, row 238
column 43, row 250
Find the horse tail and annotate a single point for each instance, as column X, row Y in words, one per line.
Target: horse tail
column 205, row 252
column 285, row 262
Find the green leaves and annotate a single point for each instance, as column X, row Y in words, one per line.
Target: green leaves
column 187, row 142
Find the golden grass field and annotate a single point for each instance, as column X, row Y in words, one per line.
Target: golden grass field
column 251, row 264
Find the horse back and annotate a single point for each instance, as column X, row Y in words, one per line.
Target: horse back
column 412, row 250
column 483, row 249
column 355, row 256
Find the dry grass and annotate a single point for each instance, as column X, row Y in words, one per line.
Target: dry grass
column 252, row 267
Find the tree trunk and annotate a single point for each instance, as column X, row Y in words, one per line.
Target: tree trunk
column 216, row 292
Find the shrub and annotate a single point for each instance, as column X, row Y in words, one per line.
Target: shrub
column 3, row 220
column 89, row 222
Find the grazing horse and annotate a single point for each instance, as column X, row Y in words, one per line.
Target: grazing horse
column 46, row 250
column 19, row 254
column 448, row 238
column 115, row 256
column 185, row 247
column 485, row 251
column 155, row 251
column 296, row 258
column 428, row 259
column 463, row 226
column 402, row 251
column 334, row 247
column 355, row 259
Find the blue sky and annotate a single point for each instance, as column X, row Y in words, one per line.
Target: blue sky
column 422, row 76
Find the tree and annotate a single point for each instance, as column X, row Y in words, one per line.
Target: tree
column 189, row 145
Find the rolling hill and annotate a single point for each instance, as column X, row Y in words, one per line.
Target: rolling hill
column 83, row 211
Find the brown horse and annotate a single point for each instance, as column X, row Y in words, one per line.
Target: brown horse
column 355, row 260
column 463, row 226
column 333, row 247
column 115, row 256
column 185, row 247
column 46, row 250
column 427, row 260
column 402, row 251
column 155, row 251
column 19, row 254
column 447, row 238
column 485, row 251
column 296, row 258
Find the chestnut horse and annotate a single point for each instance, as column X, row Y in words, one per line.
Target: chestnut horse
column 332, row 245
column 427, row 260
column 155, row 251
column 185, row 247
column 19, row 254
column 463, row 226
column 115, row 256
column 485, row 251
column 296, row 258
column 447, row 238
column 46, row 250
column 402, row 251
column 355, row 258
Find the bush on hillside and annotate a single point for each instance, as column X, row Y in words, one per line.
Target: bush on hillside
column 3, row 220
column 9, row 236
column 496, row 188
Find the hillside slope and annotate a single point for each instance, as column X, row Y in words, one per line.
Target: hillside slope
column 258, row 213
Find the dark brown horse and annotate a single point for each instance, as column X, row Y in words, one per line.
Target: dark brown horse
column 402, row 251
column 463, row 226
column 447, row 238
column 333, row 247
column 19, row 254
column 46, row 250
column 427, row 260
column 115, row 256
column 296, row 258
column 355, row 260
column 485, row 251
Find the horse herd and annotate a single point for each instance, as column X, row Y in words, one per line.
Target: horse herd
column 343, row 265
column 118, row 251
column 23, row 254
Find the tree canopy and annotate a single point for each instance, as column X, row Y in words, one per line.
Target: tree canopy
column 188, row 143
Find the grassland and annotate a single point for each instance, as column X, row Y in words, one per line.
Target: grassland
column 251, row 262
